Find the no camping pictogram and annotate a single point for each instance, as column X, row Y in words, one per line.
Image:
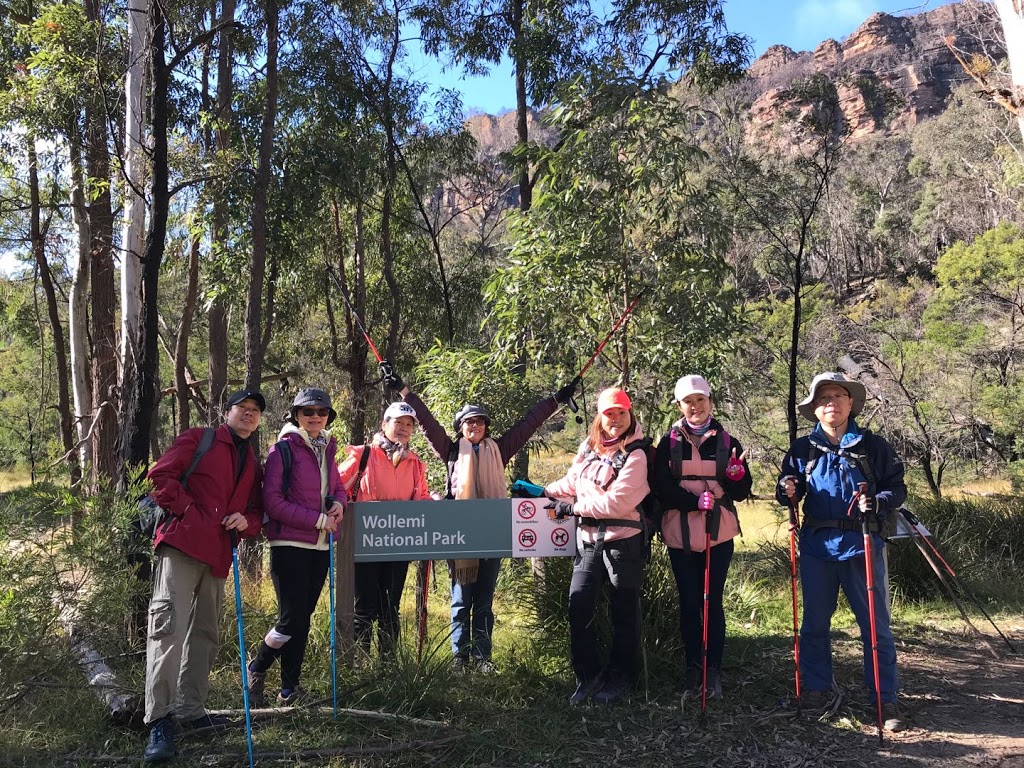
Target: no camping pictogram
column 527, row 509
column 527, row 537
column 559, row 537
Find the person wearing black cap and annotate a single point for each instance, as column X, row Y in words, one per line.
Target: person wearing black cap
column 193, row 559
column 826, row 469
column 476, row 470
column 304, row 499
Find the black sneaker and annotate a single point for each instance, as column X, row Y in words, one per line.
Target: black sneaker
column 207, row 721
column 584, row 690
column 291, row 697
column 714, row 683
column 817, row 704
column 892, row 719
column 161, row 741
column 692, row 683
column 613, row 689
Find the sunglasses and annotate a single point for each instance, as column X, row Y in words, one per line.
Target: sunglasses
column 315, row 412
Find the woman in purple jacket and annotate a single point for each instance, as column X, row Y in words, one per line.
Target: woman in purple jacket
column 304, row 501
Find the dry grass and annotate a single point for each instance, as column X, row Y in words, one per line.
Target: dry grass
column 15, row 478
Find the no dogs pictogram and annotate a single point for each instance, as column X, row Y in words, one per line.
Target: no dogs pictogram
column 559, row 537
column 527, row 537
column 527, row 509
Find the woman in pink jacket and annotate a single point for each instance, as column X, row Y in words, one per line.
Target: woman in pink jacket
column 603, row 489
column 304, row 501
column 391, row 472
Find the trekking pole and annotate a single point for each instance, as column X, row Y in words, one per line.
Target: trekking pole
column 334, row 646
column 611, row 333
column 241, row 644
column 794, row 524
column 422, row 617
column 915, row 528
column 706, row 502
column 862, row 489
column 355, row 315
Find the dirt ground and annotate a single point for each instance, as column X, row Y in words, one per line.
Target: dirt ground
column 964, row 708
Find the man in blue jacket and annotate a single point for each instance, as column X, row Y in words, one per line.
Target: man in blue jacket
column 825, row 469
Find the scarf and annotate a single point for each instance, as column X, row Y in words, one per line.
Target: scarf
column 395, row 451
column 697, row 431
column 481, row 475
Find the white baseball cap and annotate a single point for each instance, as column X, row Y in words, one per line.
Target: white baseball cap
column 691, row 385
column 399, row 409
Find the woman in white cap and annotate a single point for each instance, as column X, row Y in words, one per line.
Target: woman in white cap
column 700, row 472
column 385, row 469
column 304, row 501
column 476, row 470
column 603, row 489
column 826, row 469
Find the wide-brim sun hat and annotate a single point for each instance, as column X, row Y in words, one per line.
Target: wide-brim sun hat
column 855, row 389
column 400, row 409
column 613, row 397
column 691, row 385
column 311, row 397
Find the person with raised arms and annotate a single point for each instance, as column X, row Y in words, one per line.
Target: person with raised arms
column 476, row 470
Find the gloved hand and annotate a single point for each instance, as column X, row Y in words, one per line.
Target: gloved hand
column 788, row 484
column 706, row 501
column 867, row 504
column 735, row 470
column 391, row 379
column 563, row 395
column 563, row 509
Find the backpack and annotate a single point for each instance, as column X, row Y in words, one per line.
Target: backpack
column 152, row 517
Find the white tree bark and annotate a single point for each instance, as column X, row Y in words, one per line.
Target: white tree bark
column 78, row 310
column 134, row 223
column 1011, row 15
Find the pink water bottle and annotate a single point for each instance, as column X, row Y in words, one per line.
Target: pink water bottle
column 706, row 501
column 735, row 469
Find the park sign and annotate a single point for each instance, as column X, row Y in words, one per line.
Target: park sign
column 459, row 529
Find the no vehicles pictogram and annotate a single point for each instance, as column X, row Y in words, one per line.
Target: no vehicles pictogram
column 527, row 509
column 527, row 537
column 559, row 537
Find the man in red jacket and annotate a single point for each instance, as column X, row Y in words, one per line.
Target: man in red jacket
column 193, row 558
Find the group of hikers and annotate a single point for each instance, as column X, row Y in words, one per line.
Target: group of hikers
column 213, row 490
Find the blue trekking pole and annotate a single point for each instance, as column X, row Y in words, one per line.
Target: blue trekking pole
column 334, row 662
column 241, row 643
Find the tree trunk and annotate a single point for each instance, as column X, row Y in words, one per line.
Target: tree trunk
column 182, row 337
column 140, row 401
column 258, row 261
column 78, row 320
column 134, row 217
column 522, row 109
column 104, row 305
column 1011, row 15
column 218, row 316
column 38, row 238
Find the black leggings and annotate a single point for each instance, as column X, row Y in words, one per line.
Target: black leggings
column 298, row 575
column 378, row 588
column 688, row 568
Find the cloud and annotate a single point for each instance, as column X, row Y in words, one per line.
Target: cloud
column 816, row 20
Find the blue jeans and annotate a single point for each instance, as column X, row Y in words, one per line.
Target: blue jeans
column 821, row 580
column 473, row 612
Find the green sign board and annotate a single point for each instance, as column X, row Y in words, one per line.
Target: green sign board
column 432, row 530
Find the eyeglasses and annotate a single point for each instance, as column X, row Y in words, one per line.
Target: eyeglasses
column 474, row 421
column 824, row 399
column 315, row 412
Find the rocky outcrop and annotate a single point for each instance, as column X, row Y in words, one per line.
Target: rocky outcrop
column 890, row 74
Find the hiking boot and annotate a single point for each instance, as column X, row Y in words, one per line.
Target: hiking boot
column 816, row 703
column 206, row 721
column 484, row 666
column 257, row 688
column 892, row 719
column 613, row 689
column 584, row 690
column 291, row 697
column 161, row 741
column 692, row 684
column 714, row 683
column 460, row 664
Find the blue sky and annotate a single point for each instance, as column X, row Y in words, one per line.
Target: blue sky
column 800, row 24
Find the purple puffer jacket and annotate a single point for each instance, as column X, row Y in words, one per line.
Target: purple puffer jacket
column 294, row 518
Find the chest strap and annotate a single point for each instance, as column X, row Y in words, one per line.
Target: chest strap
column 814, row 523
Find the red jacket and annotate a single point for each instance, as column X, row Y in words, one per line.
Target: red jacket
column 196, row 527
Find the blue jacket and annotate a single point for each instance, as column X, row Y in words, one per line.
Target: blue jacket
column 830, row 488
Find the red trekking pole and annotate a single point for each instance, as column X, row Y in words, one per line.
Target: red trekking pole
column 355, row 315
column 794, row 524
column 706, row 503
column 870, row 577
